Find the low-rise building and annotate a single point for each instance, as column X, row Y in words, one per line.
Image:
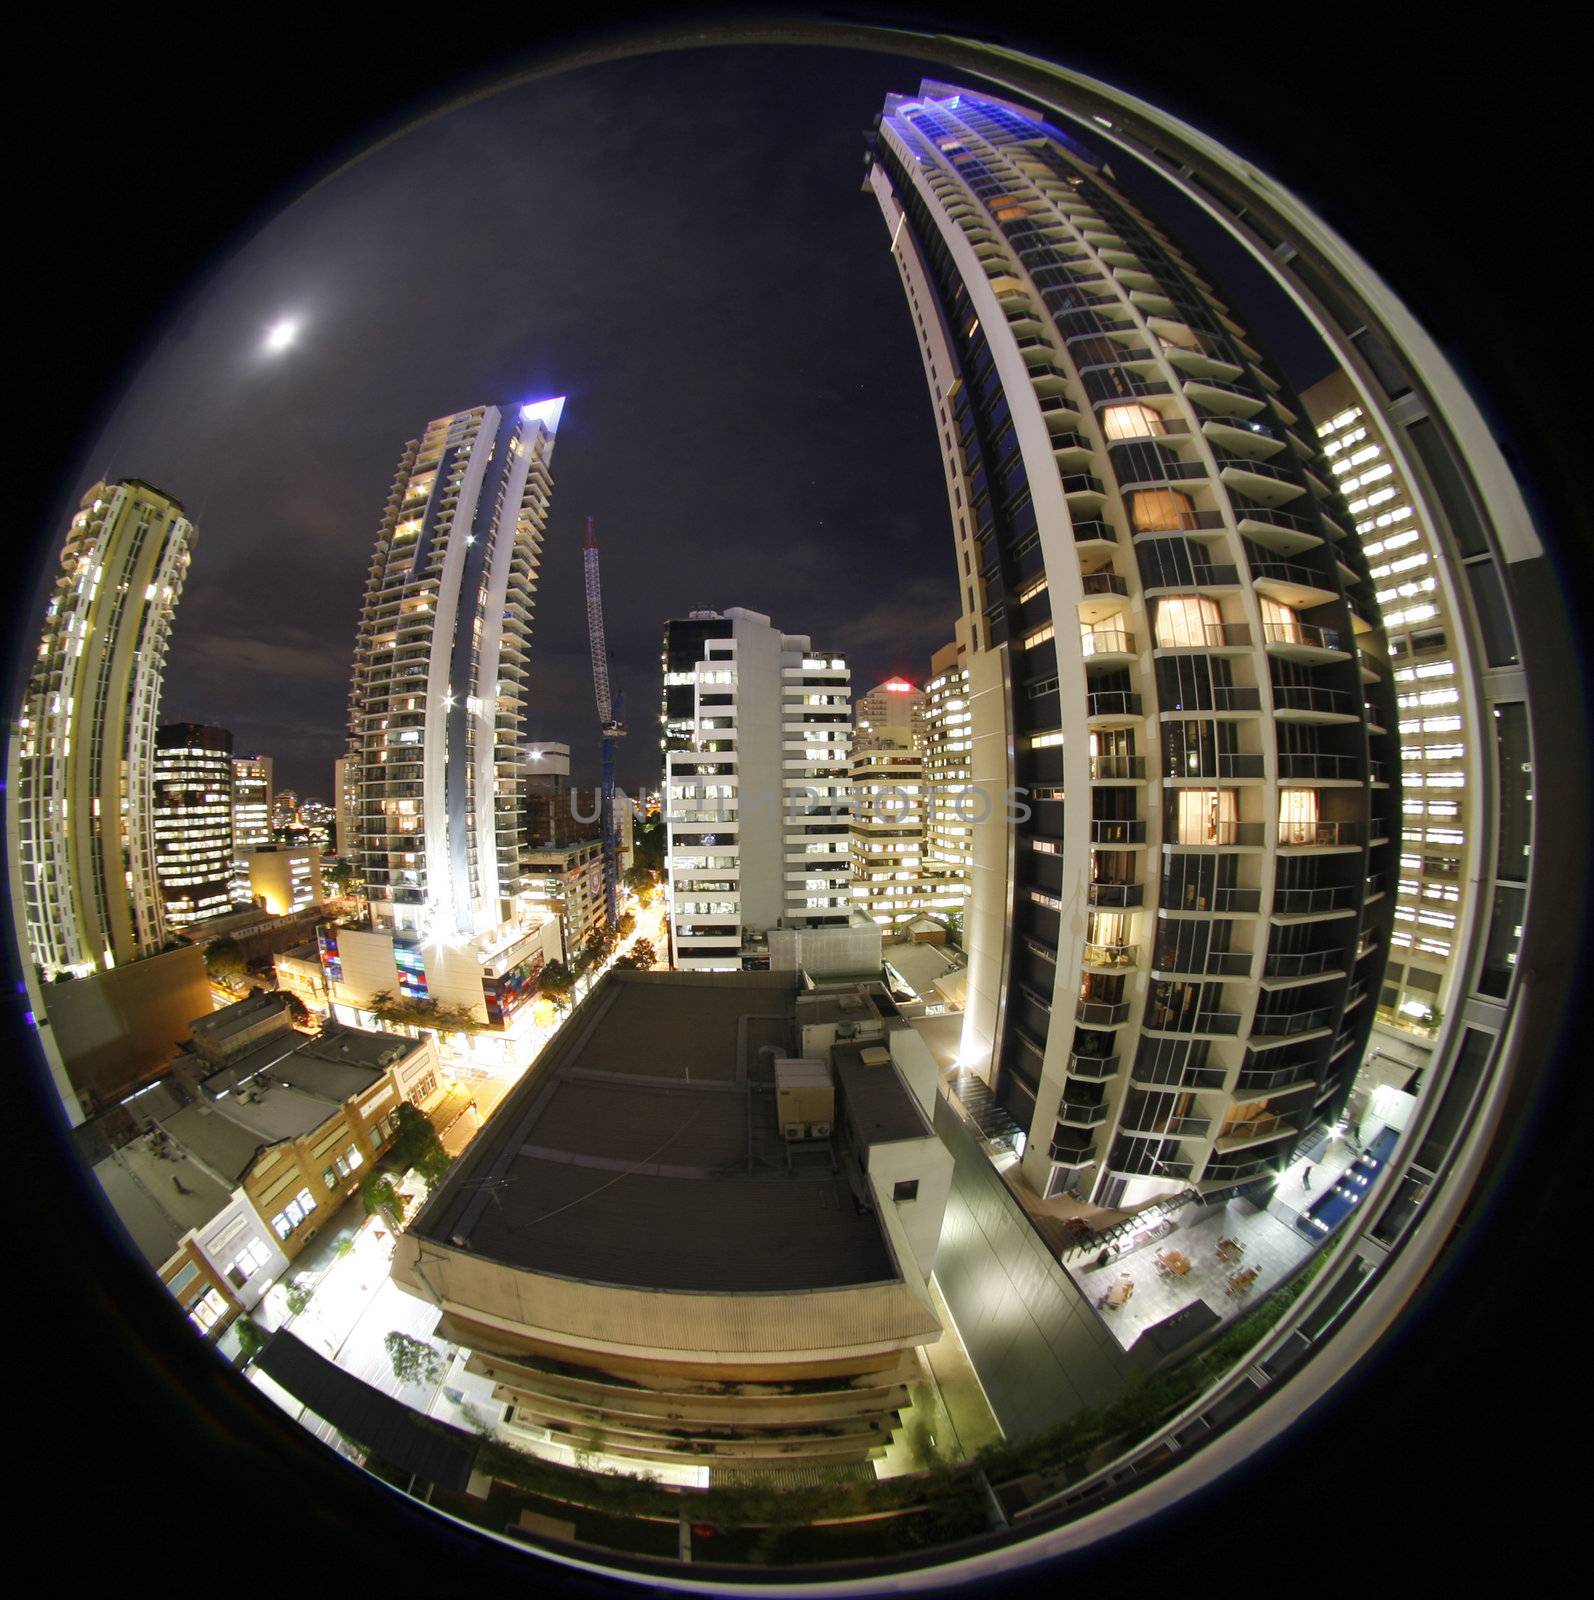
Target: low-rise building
column 283, row 878
column 650, row 1270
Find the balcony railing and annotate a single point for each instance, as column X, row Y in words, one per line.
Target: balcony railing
column 1101, row 1013
column 1184, row 522
column 1302, row 633
column 1094, row 1068
column 1216, row 835
column 1081, row 1113
column 1117, row 894
column 1169, row 1019
column 1104, row 583
column 1316, row 764
column 1302, row 964
column 1106, row 642
column 1290, row 572
column 1219, row 764
column 1111, row 955
column 1227, row 697
column 1094, row 530
column 1172, row 1075
column 1115, row 831
column 1304, row 902
column 1286, row 1024
column 1106, row 768
column 1257, row 1129
column 1207, row 636
column 1303, row 697
column 1212, row 964
column 1319, row 835
column 1112, row 703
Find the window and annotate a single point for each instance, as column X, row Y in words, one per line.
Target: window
column 905, row 1189
column 1158, row 510
column 1205, row 816
column 330, row 1178
column 1184, row 620
column 1131, row 422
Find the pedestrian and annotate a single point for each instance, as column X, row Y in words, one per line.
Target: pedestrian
column 1104, row 1257
column 1306, row 1176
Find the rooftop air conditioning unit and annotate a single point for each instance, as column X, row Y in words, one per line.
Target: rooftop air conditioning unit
column 819, row 1130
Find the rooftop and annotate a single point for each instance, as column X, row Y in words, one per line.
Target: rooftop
column 880, row 1110
column 645, row 1152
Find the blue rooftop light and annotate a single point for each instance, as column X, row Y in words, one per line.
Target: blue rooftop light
column 546, row 412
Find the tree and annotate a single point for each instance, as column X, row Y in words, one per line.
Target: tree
column 642, row 957
column 251, row 1338
column 639, row 878
column 339, row 876
column 626, row 925
column 414, row 1360
column 648, row 847
column 416, row 1144
column 297, row 1009
column 556, row 981
column 400, row 1011
column 224, row 961
column 377, row 1193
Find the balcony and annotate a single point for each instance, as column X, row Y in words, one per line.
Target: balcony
column 1304, row 964
column 1166, row 1019
column 1259, row 1130
column 1060, row 413
column 1265, row 1083
column 1330, row 901
column 1283, row 532
column 1259, row 480
column 1152, row 476
column 1125, row 832
column 1107, row 706
column 1212, row 637
column 1117, row 894
column 1104, row 583
column 1185, row 522
column 1319, row 835
column 1081, row 1114
column 1173, row 1076
column 1072, row 451
column 1238, row 437
column 1083, row 491
column 1319, row 767
column 1173, row 963
column 1292, row 584
column 1117, row 769
column 1300, row 641
column 1228, row 697
column 1291, row 1024
column 1213, row 395
column 1094, row 1068
column 1093, row 531
column 1102, row 1013
column 1295, row 702
column 1196, row 768
column 1107, row 646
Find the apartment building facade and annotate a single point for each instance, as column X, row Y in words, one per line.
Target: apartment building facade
column 756, row 786
column 81, row 766
column 251, row 815
column 1170, row 621
column 437, row 713
column 1436, row 805
column 946, row 768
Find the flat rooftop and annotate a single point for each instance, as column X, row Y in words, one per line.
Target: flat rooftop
column 644, row 1151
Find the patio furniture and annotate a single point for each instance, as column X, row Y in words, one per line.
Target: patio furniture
column 1119, row 1293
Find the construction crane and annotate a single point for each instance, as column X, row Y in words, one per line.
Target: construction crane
column 611, row 722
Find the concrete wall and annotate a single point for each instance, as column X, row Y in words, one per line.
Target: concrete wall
column 1040, row 1349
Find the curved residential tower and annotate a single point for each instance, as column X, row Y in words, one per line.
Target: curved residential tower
column 437, row 719
column 84, row 746
column 1177, row 927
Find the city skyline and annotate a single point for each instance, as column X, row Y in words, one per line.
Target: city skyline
column 797, row 470
column 178, row 706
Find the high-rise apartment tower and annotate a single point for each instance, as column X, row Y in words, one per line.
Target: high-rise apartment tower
column 1173, row 971
column 437, row 709
column 82, row 836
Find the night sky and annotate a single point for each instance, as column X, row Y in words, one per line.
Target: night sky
column 684, row 253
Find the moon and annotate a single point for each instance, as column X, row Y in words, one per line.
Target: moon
column 280, row 335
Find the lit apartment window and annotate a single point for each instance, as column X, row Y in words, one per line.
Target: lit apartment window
column 1184, row 620
column 1131, row 422
column 1205, row 816
column 1158, row 510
